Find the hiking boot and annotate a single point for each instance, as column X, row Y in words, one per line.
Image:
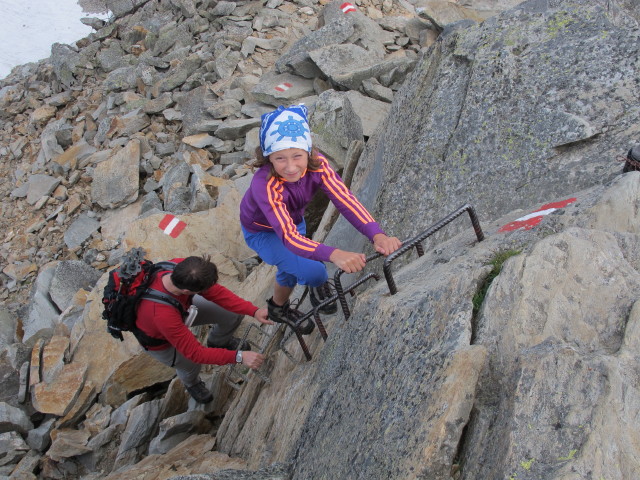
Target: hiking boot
column 285, row 312
column 234, row 343
column 317, row 295
column 200, row 393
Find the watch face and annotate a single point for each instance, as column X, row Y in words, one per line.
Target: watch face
column 239, row 357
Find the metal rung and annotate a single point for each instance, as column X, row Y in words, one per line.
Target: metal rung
column 415, row 242
column 235, row 378
column 316, row 315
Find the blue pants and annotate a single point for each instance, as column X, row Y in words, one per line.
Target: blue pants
column 292, row 269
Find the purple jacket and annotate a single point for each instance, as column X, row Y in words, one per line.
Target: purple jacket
column 275, row 205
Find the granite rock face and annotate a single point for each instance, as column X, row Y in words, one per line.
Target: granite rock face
column 517, row 110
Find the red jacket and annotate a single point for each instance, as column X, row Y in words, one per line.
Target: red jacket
column 165, row 322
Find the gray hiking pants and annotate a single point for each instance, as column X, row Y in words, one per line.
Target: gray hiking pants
column 224, row 323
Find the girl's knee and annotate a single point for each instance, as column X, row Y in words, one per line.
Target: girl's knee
column 314, row 277
column 303, row 272
column 286, row 279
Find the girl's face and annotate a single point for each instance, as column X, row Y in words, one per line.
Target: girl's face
column 290, row 164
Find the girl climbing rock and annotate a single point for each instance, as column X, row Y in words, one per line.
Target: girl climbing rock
column 272, row 213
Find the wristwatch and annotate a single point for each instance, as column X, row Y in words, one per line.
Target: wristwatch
column 238, row 356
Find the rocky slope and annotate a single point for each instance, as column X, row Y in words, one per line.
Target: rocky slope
column 426, row 107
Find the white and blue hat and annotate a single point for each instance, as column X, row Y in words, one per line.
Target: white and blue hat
column 285, row 128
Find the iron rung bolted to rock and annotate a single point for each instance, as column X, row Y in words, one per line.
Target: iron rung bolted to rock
column 340, row 296
column 408, row 245
column 418, row 239
column 233, row 369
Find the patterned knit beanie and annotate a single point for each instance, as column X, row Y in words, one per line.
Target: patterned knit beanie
column 285, row 128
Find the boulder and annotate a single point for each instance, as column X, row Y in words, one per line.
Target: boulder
column 128, row 124
column 283, row 89
column 68, row 443
column 13, row 419
column 112, row 57
column 297, row 59
column 201, row 184
column 195, row 455
column 334, row 125
column 40, row 312
column 65, row 60
column 367, row 32
column 68, row 278
column 42, row 115
column 14, row 448
column 250, row 43
column 177, row 76
column 199, row 140
column 371, row 112
column 73, row 156
column 175, row 186
column 49, row 147
column 441, row 14
column 59, row 395
column 8, row 323
column 116, row 180
column 39, row 438
column 39, row 186
column 193, row 107
column 133, row 374
column 119, row 8
column 142, row 421
column 232, row 129
column 175, row 429
column 346, row 65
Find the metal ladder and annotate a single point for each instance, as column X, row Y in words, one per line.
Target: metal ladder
column 341, row 291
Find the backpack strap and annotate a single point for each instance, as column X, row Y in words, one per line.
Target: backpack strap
column 165, row 265
column 161, row 297
column 157, row 296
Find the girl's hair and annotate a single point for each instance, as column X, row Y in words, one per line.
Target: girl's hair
column 195, row 274
column 314, row 161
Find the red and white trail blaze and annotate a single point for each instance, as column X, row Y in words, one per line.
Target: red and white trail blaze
column 534, row 218
column 172, row 225
column 347, row 7
column 283, row 87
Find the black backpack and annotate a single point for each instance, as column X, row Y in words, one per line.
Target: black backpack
column 127, row 285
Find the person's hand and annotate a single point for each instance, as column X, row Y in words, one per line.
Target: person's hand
column 385, row 245
column 252, row 359
column 349, row 262
column 262, row 315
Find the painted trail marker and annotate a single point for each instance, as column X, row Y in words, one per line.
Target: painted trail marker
column 347, row 7
column 171, row 225
column 283, row 87
column 534, row 218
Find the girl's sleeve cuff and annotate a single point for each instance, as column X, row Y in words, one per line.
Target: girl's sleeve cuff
column 372, row 229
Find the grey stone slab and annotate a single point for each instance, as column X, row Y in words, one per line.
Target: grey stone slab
column 80, row 230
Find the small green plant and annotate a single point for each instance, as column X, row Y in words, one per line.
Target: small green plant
column 497, row 262
column 570, row 456
column 527, row 465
